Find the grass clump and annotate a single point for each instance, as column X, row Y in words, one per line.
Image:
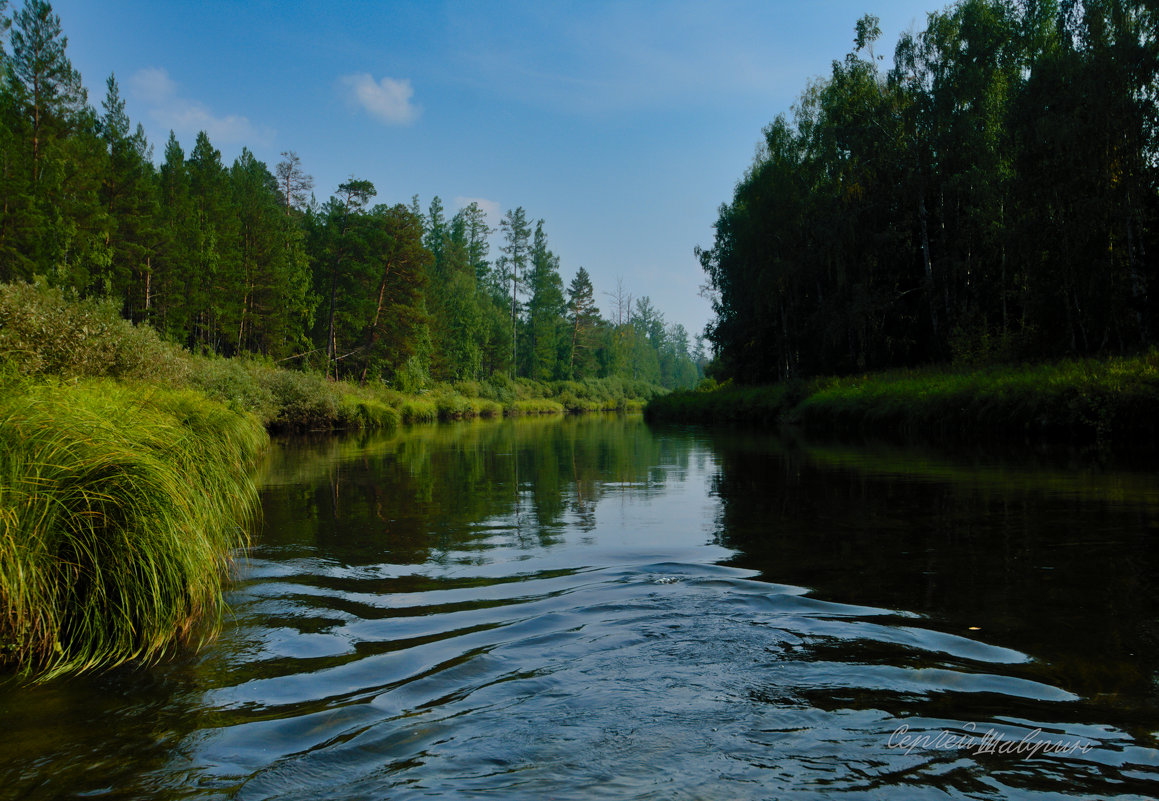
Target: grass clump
column 121, row 508
column 535, row 406
column 367, row 414
column 419, row 410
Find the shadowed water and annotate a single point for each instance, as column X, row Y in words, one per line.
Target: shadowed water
column 592, row 608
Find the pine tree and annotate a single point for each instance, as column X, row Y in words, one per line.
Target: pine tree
column 293, row 183
column 50, row 88
column 584, row 318
column 545, row 311
column 513, row 263
column 129, row 196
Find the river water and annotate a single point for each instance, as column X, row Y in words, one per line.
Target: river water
column 592, row 608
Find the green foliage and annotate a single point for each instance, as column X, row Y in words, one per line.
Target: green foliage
column 367, row 414
column 535, row 406
column 43, row 332
column 230, row 259
column 990, row 198
column 121, row 507
column 419, row 410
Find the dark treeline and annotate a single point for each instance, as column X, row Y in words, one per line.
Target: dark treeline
column 235, row 259
column 990, row 197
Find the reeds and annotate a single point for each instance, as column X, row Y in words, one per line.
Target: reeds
column 122, row 506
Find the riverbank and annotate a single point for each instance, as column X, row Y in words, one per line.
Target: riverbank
column 1092, row 401
column 43, row 333
column 126, row 488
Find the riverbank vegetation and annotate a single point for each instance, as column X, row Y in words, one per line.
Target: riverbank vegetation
column 1087, row 400
column 122, row 506
column 126, row 488
column 965, row 240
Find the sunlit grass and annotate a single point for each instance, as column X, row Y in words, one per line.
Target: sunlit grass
column 122, row 507
column 1101, row 399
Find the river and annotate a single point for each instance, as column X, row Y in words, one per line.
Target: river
column 593, row 608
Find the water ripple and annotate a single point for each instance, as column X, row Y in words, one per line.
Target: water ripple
column 563, row 682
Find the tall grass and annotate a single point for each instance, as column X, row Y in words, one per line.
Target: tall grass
column 1100, row 400
column 121, row 508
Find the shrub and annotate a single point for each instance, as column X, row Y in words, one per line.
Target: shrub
column 367, row 414
column 238, row 383
column 43, row 332
column 535, row 406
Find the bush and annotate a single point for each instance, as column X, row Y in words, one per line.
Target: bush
column 486, row 408
column 238, row 383
column 452, row 406
column 419, row 410
column 43, row 332
column 535, row 406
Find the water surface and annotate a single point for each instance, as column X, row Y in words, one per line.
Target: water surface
column 591, row 608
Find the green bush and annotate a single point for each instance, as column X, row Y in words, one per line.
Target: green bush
column 535, row 406
column 304, row 401
column 238, row 383
column 451, row 405
column 43, row 332
column 367, row 414
column 486, row 408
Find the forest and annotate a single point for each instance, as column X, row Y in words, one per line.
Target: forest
column 237, row 259
column 988, row 199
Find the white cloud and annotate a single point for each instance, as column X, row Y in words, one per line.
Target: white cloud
column 490, row 207
column 388, row 99
column 153, row 85
column 187, row 117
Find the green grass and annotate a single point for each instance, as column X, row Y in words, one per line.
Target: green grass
column 1099, row 400
column 367, row 414
column 535, row 406
column 122, row 507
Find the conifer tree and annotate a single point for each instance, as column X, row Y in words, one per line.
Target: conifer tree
column 545, row 311
column 513, row 264
column 584, row 317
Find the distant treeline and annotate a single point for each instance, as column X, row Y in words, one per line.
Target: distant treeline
column 237, row 259
column 990, row 197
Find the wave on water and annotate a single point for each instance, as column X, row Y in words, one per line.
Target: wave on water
column 661, row 680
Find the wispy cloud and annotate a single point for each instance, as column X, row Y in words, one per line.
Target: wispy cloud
column 490, row 207
column 388, row 99
column 605, row 58
column 153, row 87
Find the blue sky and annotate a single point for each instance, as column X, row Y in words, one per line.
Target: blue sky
column 623, row 125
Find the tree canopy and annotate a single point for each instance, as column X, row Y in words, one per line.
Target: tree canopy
column 992, row 196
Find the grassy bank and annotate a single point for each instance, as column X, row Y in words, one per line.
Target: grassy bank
column 1109, row 400
column 121, row 507
column 44, row 333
